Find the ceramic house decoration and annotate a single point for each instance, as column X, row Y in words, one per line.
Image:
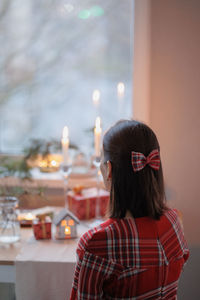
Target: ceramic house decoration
column 66, row 223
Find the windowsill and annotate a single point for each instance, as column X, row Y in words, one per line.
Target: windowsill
column 53, row 179
column 53, row 185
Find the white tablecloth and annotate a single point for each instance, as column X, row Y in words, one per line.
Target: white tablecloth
column 45, row 269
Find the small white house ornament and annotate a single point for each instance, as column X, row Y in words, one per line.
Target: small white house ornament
column 66, row 223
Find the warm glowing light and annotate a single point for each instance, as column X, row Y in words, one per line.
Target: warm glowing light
column 71, row 222
column 26, row 216
column 29, row 216
column 50, row 162
column 120, row 89
column 96, row 97
column 67, row 230
column 54, row 163
column 43, row 164
column 63, row 223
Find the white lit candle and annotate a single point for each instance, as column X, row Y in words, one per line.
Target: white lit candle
column 29, row 216
column 97, row 136
column 65, row 144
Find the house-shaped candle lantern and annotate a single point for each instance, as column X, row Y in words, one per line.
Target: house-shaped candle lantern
column 66, row 224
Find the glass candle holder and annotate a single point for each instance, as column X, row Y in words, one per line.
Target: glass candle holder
column 66, row 171
column 9, row 224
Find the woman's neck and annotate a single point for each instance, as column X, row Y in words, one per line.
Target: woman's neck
column 128, row 214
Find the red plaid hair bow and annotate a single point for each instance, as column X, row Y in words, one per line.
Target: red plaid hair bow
column 139, row 161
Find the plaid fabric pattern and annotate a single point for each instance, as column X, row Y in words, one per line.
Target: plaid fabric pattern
column 139, row 161
column 131, row 258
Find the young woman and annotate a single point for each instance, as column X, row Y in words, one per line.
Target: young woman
column 139, row 252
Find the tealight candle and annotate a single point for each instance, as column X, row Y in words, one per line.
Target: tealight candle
column 26, row 216
column 29, row 216
column 65, row 144
column 97, row 137
column 67, row 230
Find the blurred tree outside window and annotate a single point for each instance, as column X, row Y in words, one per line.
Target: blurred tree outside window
column 53, row 55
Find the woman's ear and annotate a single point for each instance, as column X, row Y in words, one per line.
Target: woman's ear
column 109, row 170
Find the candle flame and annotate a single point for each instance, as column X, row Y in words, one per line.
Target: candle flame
column 120, row 88
column 65, row 132
column 96, row 96
column 53, row 163
column 67, row 230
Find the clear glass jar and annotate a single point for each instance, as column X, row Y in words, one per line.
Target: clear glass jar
column 9, row 224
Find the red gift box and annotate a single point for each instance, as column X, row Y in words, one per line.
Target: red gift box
column 83, row 203
column 42, row 230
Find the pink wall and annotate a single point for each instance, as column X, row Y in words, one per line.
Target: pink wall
column 175, row 103
column 142, row 58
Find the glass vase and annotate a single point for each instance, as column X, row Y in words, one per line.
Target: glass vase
column 9, row 224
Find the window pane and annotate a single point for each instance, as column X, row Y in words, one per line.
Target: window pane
column 53, row 55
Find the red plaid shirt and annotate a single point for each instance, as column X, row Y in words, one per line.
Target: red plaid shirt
column 131, row 258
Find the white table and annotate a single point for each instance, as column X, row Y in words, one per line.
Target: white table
column 40, row 269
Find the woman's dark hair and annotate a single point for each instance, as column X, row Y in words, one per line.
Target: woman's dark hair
column 142, row 192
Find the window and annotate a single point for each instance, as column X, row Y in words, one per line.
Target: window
column 53, row 55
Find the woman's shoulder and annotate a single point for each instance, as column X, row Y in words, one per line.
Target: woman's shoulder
column 172, row 216
column 170, row 225
column 99, row 235
column 93, row 236
column 171, row 235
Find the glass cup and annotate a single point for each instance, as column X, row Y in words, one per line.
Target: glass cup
column 98, row 219
column 9, row 224
column 66, row 170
